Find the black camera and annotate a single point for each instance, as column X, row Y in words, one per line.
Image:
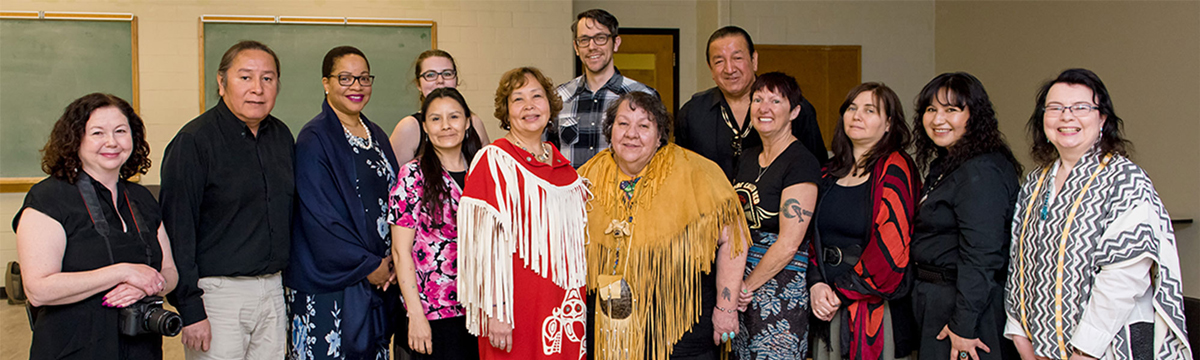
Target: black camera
column 147, row 316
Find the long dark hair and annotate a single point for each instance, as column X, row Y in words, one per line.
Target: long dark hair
column 60, row 156
column 895, row 139
column 982, row 135
column 1111, row 139
column 435, row 191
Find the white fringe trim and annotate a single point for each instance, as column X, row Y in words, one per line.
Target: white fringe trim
column 487, row 237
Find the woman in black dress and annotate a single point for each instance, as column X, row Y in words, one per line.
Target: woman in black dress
column 77, row 278
column 961, row 233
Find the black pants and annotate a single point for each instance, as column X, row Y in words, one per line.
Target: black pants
column 450, row 340
column 933, row 305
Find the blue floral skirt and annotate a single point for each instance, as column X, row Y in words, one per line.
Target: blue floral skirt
column 775, row 324
column 315, row 326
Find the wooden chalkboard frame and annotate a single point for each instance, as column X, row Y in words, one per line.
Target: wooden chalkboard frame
column 22, row 184
column 304, row 20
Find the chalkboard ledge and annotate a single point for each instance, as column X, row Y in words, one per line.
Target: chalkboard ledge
column 18, row 184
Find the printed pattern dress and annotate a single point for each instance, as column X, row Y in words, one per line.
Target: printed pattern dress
column 435, row 248
column 775, row 324
column 316, row 318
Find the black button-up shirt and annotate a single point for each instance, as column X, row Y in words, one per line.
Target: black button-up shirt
column 699, row 127
column 963, row 223
column 226, row 201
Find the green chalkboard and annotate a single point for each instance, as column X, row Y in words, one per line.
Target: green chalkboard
column 46, row 64
column 301, row 48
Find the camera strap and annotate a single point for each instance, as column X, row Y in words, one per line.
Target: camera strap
column 92, row 201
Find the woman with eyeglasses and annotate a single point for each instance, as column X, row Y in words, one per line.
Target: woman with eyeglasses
column 434, row 69
column 1095, row 271
column 960, row 234
column 341, row 263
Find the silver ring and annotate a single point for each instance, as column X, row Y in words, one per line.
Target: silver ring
column 962, row 355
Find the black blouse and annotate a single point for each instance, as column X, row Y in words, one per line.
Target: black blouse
column 86, row 329
column 843, row 218
column 963, row 223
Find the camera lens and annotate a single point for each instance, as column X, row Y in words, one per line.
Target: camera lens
column 164, row 322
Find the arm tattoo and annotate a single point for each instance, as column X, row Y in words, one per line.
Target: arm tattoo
column 725, row 294
column 792, row 210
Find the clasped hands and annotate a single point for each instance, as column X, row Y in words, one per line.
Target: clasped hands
column 139, row 281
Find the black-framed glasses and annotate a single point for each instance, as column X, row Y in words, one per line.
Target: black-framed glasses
column 347, row 80
column 599, row 40
column 433, row 75
column 1056, row 110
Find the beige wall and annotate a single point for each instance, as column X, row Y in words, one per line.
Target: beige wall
column 896, row 36
column 1147, row 53
column 485, row 37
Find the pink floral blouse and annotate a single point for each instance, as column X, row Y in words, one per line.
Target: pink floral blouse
column 435, row 249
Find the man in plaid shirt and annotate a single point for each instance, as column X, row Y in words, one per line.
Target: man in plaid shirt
column 578, row 129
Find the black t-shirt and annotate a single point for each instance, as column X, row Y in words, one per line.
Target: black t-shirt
column 759, row 188
column 86, row 329
column 460, row 178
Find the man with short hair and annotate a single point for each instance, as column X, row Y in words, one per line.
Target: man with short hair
column 227, row 190
column 577, row 131
column 716, row 122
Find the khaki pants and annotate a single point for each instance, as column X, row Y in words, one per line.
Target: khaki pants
column 247, row 317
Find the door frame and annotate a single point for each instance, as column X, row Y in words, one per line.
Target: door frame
column 674, row 33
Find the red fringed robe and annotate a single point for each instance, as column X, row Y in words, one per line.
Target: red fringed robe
column 522, row 230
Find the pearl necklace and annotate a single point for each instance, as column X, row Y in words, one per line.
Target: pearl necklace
column 365, row 143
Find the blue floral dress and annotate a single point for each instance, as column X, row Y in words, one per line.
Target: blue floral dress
column 316, row 318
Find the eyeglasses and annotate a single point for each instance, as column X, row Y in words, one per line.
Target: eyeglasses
column 1056, row 110
column 433, row 75
column 599, row 40
column 347, row 80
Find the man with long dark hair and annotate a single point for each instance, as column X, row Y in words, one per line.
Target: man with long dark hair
column 227, row 190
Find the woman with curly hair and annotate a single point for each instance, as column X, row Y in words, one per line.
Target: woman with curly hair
column 521, row 233
column 961, row 234
column 81, row 266
column 862, row 231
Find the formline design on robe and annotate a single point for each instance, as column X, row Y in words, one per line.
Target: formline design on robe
column 524, row 210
